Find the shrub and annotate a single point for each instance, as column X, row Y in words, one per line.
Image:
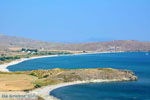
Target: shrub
column 37, row 86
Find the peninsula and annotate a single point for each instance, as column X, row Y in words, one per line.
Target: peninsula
column 41, row 82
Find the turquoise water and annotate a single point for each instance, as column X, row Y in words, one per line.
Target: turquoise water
column 139, row 62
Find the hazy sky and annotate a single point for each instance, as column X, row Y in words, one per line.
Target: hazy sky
column 76, row 20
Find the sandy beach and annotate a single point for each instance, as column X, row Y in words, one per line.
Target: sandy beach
column 45, row 92
column 3, row 67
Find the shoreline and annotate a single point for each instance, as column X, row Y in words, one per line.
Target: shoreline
column 3, row 67
column 45, row 92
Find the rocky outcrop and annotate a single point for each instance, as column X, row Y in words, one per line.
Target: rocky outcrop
column 94, row 74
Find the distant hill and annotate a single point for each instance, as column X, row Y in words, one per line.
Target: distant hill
column 7, row 42
column 11, row 42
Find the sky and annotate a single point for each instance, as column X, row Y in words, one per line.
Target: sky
column 76, row 20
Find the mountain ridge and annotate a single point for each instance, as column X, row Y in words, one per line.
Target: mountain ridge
column 8, row 42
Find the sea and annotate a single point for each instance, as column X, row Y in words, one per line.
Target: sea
column 138, row 62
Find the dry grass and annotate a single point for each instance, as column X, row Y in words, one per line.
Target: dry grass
column 16, row 82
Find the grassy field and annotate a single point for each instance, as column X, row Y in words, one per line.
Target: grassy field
column 16, row 82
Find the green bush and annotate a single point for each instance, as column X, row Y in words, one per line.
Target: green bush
column 45, row 76
column 37, row 86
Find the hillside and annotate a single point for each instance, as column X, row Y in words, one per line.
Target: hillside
column 14, row 43
column 7, row 42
